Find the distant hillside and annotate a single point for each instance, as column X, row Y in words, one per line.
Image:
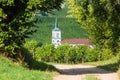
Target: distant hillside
column 68, row 26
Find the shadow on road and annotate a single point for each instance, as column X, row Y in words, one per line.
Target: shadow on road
column 79, row 71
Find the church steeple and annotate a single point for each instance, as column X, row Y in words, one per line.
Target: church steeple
column 56, row 34
column 56, row 25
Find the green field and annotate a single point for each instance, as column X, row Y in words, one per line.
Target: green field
column 68, row 26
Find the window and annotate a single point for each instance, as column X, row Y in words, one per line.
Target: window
column 53, row 41
column 57, row 40
column 57, row 35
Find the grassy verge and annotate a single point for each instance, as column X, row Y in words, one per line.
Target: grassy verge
column 119, row 73
column 13, row 71
column 110, row 65
column 90, row 77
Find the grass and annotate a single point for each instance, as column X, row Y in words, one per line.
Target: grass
column 119, row 73
column 109, row 65
column 90, row 77
column 13, row 71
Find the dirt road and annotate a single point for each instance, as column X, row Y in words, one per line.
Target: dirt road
column 77, row 72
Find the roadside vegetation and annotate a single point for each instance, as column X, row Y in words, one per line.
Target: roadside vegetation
column 112, row 64
column 74, row 55
column 90, row 77
column 119, row 73
column 13, row 71
column 66, row 53
column 17, row 23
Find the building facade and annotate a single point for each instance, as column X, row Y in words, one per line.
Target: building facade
column 56, row 38
column 56, row 35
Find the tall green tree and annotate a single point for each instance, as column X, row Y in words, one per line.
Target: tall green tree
column 101, row 18
column 17, row 20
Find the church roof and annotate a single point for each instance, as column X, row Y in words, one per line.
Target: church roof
column 56, row 25
column 77, row 41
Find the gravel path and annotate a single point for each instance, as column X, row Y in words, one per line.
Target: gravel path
column 77, row 72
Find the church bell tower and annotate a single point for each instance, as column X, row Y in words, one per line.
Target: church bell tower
column 56, row 34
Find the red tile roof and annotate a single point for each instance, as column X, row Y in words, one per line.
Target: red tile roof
column 77, row 41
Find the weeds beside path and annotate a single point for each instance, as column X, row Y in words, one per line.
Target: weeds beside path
column 78, row 72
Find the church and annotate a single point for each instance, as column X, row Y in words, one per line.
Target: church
column 56, row 38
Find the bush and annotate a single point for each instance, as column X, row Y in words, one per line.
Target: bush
column 106, row 54
column 82, row 51
column 92, row 55
column 45, row 53
column 72, row 55
column 30, row 46
column 61, row 54
column 66, row 53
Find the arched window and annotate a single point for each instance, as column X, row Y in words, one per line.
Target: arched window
column 58, row 41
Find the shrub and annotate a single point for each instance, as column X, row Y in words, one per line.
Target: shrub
column 72, row 55
column 30, row 46
column 82, row 51
column 45, row 53
column 92, row 55
column 62, row 53
column 106, row 54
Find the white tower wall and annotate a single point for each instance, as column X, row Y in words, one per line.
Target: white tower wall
column 56, row 35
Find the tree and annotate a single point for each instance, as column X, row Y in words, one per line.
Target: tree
column 17, row 20
column 101, row 18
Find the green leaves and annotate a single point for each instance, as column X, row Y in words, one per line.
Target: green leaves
column 17, row 21
column 101, row 18
column 66, row 54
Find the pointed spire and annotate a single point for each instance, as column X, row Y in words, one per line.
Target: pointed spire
column 56, row 23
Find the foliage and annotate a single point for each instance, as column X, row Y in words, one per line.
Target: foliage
column 45, row 53
column 66, row 54
column 110, row 64
column 62, row 53
column 106, row 54
column 101, row 18
column 72, row 55
column 13, row 71
column 31, row 45
column 17, row 20
column 119, row 73
column 90, row 77
column 92, row 55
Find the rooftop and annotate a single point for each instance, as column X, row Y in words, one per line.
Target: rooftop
column 77, row 41
column 56, row 25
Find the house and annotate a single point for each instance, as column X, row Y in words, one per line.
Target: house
column 78, row 41
column 56, row 38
